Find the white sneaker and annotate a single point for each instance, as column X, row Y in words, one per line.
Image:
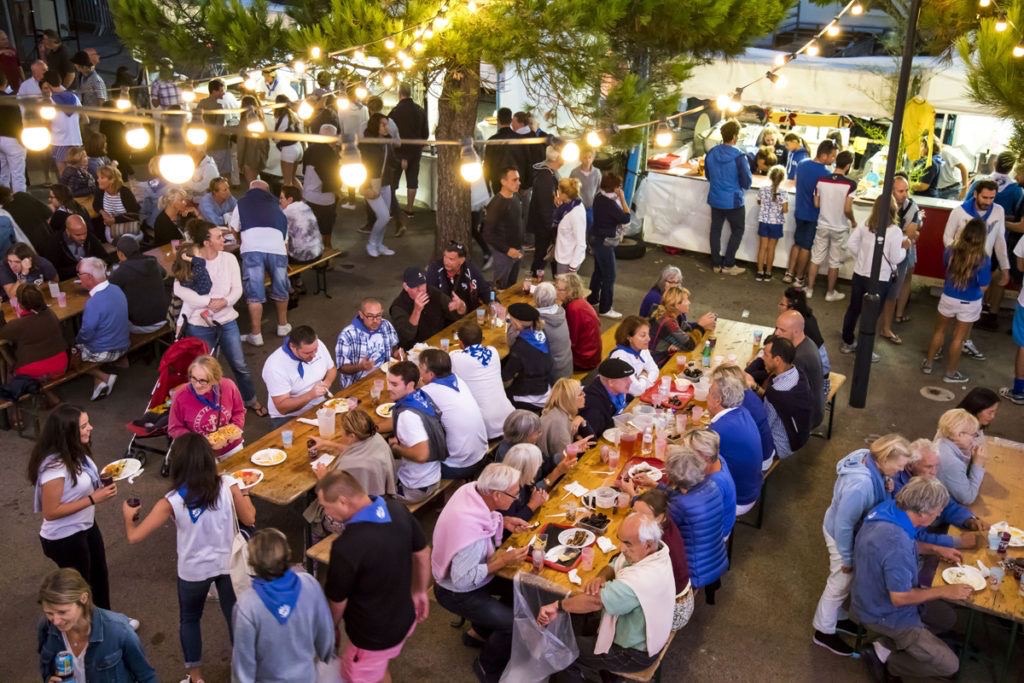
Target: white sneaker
column 612, row 314
column 284, row 330
column 134, row 623
column 253, row 339
column 99, row 391
column 881, row 651
column 348, row 206
column 111, row 380
column 809, row 292
column 384, row 251
column 372, row 251
column 734, row 270
column 834, row 295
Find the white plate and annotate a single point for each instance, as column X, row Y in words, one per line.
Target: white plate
column 384, row 409
column 965, row 574
column 340, row 404
column 1016, row 535
column 611, row 435
column 252, row 472
column 128, row 466
column 553, row 554
column 567, row 535
column 268, row 457
column 652, row 472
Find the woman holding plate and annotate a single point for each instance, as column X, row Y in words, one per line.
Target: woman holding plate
column 209, row 405
column 207, row 509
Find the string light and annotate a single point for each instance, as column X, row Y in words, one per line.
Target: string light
column 782, row 60
column 469, row 163
column 389, row 44
column 35, row 134
column 418, row 46
column 343, row 104
column 1018, row 51
column 428, row 34
column 175, row 164
column 361, row 92
column 777, row 80
column 812, row 49
column 137, row 136
column 400, row 55
column 594, row 139
column 832, row 30
column 256, row 126
column 571, row 152
column 315, row 52
column 722, row 102
column 188, row 95
column 196, row 136
column 387, row 80
column 984, row 3
column 47, row 111
column 857, row 9
column 122, row 104
column 305, row 110
column 472, row 6
column 352, row 171
column 663, row 134
column 440, row 22
column 407, row 62
column 1001, row 23
column 299, row 67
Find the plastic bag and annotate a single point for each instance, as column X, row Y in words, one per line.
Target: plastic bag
column 537, row 651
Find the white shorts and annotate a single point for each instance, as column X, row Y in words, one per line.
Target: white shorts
column 830, row 243
column 963, row 311
column 291, row 153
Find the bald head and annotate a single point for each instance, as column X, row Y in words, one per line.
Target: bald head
column 76, row 229
column 639, row 535
column 259, row 185
column 900, row 189
column 790, row 325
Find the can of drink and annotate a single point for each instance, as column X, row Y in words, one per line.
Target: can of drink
column 1004, row 542
column 312, row 450
column 105, row 481
column 64, row 666
column 135, row 502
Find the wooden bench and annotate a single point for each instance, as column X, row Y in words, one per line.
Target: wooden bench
column 607, row 345
column 318, row 266
column 651, row 673
column 76, row 368
column 759, row 506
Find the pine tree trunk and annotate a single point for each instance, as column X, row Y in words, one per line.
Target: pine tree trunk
column 456, row 116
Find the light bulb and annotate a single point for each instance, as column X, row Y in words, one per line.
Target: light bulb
column 833, row 30
column 735, row 106
column 780, row 81
column 469, row 163
column 188, row 95
column 253, row 84
column 315, row 52
column 361, row 92
column 813, row 50
column 1001, row 24
column 857, row 9
column 389, row 44
column 257, row 126
column 343, row 104
column 35, row 138
column 122, row 104
column 570, row 152
column 984, row 3
column 176, row 168
column 1018, row 51
column 428, row 34
column 407, row 63
column 440, row 23
column 48, row 112
column 472, row 6
column 780, row 60
column 722, row 102
column 137, row 137
column 299, row 67
column 418, row 46
column 358, row 56
column 305, row 110
column 353, row 175
column 663, row 135
column 400, row 55
column 196, row 135
column 387, row 80
column 594, row 139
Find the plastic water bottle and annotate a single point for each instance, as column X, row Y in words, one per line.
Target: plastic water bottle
column 494, row 310
column 647, row 445
column 705, row 358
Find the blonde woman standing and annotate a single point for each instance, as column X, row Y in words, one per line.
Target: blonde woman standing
column 569, row 223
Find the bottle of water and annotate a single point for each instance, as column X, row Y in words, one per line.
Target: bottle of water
column 494, row 310
column 647, row 445
column 705, row 358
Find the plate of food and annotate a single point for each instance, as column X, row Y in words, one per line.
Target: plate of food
column 121, row 469
column 1016, row 535
column 248, row 477
column 645, row 469
column 576, row 538
column 562, row 555
column 268, row 457
column 384, row 409
column 611, row 435
column 338, row 405
column 223, row 436
column 966, row 575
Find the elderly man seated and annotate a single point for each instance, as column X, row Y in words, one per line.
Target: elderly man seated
column 464, row 563
column 635, row 595
column 365, row 344
column 605, row 395
column 740, row 441
column 459, row 278
column 421, row 311
column 297, row 375
column 787, row 397
column 103, row 336
column 886, row 597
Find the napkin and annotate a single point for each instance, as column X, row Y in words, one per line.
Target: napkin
column 577, row 489
column 575, row 578
column 605, row 544
column 308, row 421
column 325, row 460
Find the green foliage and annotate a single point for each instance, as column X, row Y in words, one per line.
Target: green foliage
column 1016, row 144
column 247, row 37
column 994, row 75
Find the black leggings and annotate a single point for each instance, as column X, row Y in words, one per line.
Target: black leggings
column 83, row 551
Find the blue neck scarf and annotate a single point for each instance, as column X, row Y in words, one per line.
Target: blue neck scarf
column 374, row 513
column 888, row 511
column 449, row 381
column 288, row 352
column 535, row 339
column 618, row 400
column 194, row 513
column 418, row 400
column 972, row 210
column 213, row 405
column 480, row 352
column 563, row 209
column 628, row 349
column 280, row 595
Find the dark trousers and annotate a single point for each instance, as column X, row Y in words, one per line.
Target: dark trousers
column 476, row 227
column 489, row 609
column 736, row 218
column 468, row 473
column 602, row 280
column 191, row 601
column 85, row 553
column 858, row 287
column 543, row 238
column 588, row 666
column 325, row 216
column 505, row 270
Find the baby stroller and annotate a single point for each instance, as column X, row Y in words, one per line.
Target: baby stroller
column 153, row 424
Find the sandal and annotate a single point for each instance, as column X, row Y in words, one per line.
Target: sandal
column 893, row 338
column 259, row 409
column 902, row 319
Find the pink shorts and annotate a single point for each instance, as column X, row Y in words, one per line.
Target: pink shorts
column 368, row 666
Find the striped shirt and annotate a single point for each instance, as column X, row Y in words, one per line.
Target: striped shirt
column 113, row 205
column 783, row 382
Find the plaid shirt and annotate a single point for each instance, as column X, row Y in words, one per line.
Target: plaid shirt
column 355, row 343
column 165, row 94
column 783, row 382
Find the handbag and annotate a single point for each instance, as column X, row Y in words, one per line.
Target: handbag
column 116, row 230
column 241, row 581
column 371, row 190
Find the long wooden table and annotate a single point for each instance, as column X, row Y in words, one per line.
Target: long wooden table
column 732, row 338
column 77, row 296
column 285, row 483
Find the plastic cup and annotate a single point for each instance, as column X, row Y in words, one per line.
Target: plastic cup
column 105, row 481
column 135, row 502
column 15, row 306
column 995, row 578
column 680, row 423
column 54, row 290
column 698, row 413
column 446, row 344
column 325, row 422
column 62, row 300
column 666, row 384
column 480, row 314
column 287, row 437
column 613, row 457
column 627, row 443
column 681, row 361
column 758, row 334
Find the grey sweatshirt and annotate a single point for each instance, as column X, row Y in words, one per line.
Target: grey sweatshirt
column 958, row 474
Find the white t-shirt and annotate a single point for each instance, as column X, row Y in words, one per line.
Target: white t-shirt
column 862, row 246
column 205, row 537
column 409, row 431
column 1018, row 251
column 949, row 174
column 464, row 427
column 64, row 129
column 995, row 239
column 281, row 375
column 78, row 661
column 485, row 383
column 54, row 529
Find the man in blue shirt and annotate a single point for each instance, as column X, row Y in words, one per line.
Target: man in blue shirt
column 885, row 596
column 104, row 335
column 728, row 180
column 808, row 173
column 218, row 203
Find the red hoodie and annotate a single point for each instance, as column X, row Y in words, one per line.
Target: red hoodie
column 584, row 334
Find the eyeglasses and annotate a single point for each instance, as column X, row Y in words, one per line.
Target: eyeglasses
column 196, row 380
column 506, row 493
column 372, row 316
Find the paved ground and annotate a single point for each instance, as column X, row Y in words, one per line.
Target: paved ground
column 760, row 628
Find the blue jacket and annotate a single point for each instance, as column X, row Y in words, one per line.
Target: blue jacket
column 728, row 176
column 105, row 321
column 698, row 514
column 723, row 479
column 741, row 448
column 954, row 513
column 114, row 654
column 859, row 487
column 755, row 406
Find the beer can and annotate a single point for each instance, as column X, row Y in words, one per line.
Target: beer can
column 64, row 665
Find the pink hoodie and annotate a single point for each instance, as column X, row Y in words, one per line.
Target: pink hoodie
column 189, row 414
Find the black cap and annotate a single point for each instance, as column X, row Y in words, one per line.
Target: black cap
column 128, row 245
column 414, row 277
column 524, row 312
column 614, row 368
column 81, row 58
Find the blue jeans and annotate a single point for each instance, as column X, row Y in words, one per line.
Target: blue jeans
column 602, row 280
column 256, row 264
column 191, row 601
column 737, row 218
column 381, row 207
column 227, row 339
